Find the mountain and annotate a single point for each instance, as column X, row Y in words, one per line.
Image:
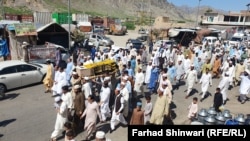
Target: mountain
column 114, row 8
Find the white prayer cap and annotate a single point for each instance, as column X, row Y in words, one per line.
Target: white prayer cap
column 106, row 78
column 140, row 68
column 192, row 65
column 230, row 62
column 179, row 59
column 100, row 135
column 165, row 75
column 57, row 99
column 228, row 58
column 77, row 86
column 89, row 56
column 86, row 78
column 74, row 73
column 85, row 57
column 25, row 43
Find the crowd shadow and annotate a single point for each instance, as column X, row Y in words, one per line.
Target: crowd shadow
column 6, row 122
column 193, row 92
column 10, row 96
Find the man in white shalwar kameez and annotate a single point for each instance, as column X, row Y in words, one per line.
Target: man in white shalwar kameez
column 180, row 72
column 125, row 93
column 139, row 78
column 61, row 118
column 244, row 87
column 55, row 84
column 167, row 92
column 86, row 90
column 205, row 81
column 61, row 81
column 104, row 101
column 186, row 63
column 192, row 78
column 224, row 85
column 148, row 72
column 231, row 72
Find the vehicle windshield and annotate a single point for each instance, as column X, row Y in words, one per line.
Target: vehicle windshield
column 235, row 39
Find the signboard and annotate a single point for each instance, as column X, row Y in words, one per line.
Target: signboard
column 42, row 53
column 25, row 29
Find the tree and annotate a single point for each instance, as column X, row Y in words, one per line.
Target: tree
column 209, row 10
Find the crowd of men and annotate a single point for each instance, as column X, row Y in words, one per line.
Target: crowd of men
column 85, row 100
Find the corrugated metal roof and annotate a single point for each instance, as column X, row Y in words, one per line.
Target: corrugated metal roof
column 66, row 27
column 47, row 25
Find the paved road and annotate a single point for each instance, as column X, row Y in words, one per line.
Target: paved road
column 28, row 113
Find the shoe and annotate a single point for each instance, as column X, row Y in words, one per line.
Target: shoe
column 46, row 91
column 242, row 102
column 186, row 97
column 201, row 100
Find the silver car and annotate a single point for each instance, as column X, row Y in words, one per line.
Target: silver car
column 16, row 74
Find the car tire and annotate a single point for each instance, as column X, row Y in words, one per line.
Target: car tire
column 3, row 88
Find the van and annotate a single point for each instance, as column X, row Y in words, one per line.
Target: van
column 210, row 39
column 237, row 38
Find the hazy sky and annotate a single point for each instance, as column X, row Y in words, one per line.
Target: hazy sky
column 226, row 5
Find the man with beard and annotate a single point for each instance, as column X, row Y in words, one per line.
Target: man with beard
column 192, row 78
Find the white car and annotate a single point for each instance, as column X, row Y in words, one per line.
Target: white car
column 16, row 74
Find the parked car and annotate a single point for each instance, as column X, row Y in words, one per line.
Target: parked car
column 136, row 43
column 103, row 40
column 168, row 42
column 142, row 31
column 16, row 74
column 143, row 38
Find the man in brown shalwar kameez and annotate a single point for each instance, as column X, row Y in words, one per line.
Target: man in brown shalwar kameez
column 137, row 115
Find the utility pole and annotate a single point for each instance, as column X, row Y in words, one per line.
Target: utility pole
column 247, row 12
column 198, row 13
column 69, row 24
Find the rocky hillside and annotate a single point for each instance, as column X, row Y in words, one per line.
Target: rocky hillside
column 114, row 8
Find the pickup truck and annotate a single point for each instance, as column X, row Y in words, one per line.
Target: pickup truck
column 101, row 40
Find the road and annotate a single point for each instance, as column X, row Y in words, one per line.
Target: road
column 28, row 113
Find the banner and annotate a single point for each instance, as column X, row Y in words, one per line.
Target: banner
column 189, row 132
column 25, row 29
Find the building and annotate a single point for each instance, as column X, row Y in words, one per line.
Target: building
column 239, row 19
